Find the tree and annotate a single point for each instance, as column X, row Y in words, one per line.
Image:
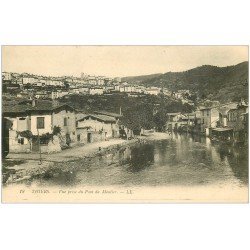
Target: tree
column 160, row 120
column 56, row 130
column 28, row 135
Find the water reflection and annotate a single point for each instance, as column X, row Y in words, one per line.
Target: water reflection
column 141, row 158
column 178, row 160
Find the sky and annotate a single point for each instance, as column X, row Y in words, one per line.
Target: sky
column 116, row 61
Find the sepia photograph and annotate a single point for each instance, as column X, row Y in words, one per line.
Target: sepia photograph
column 125, row 124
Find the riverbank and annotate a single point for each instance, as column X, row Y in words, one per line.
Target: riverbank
column 19, row 167
column 23, row 166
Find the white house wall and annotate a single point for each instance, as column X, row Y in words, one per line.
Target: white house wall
column 214, row 117
column 47, row 124
column 58, row 120
column 97, row 126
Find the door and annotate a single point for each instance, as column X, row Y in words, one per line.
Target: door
column 89, row 137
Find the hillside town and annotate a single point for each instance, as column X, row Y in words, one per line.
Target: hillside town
column 42, row 87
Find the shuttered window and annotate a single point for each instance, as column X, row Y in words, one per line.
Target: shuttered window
column 40, row 122
column 65, row 121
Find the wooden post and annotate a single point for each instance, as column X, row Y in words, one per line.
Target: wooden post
column 40, row 153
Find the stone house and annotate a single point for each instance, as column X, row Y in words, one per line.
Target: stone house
column 153, row 91
column 39, row 117
column 209, row 119
column 223, row 114
column 173, row 119
column 96, row 127
column 96, row 90
column 236, row 119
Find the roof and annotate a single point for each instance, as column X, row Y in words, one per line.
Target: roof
column 238, row 108
column 222, row 129
column 26, row 107
column 205, row 108
column 14, row 109
column 96, row 87
column 178, row 113
column 188, row 117
column 224, row 109
column 102, row 118
column 153, row 89
column 108, row 114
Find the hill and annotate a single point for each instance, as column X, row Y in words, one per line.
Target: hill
column 139, row 79
column 215, row 83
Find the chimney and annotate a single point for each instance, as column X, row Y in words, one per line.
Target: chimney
column 33, row 102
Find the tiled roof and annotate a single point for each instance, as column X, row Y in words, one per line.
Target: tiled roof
column 178, row 113
column 103, row 118
column 27, row 107
column 14, row 109
column 108, row 113
column 222, row 129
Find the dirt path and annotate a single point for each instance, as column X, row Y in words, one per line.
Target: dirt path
column 78, row 152
column 70, row 154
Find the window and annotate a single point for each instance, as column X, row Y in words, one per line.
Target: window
column 21, row 141
column 65, row 121
column 40, row 122
column 78, row 137
column 207, row 112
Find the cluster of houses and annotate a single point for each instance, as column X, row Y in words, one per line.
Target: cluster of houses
column 38, row 80
column 42, row 87
column 48, row 126
column 224, row 122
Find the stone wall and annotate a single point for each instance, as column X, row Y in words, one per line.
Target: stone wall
column 18, row 144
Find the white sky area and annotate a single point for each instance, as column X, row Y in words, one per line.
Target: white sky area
column 116, row 61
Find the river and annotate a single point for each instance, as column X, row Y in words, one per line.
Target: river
column 180, row 160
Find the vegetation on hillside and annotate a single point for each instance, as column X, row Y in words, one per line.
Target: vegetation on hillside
column 138, row 112
column 139, row 79
column 209, row 82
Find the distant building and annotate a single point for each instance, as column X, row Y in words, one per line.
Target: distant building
column 84, row 76
column 84, row 89
column 100, row 81
column 209, row 119
column 54, row 95
column 9, row 87
column 58, row 94
column 92, row 80
column 152, row 91
column 29, row 80
column 167, row 92
column 223, row 114
column 41, row 94
column 173, row 121
column 237, row 120
column 96, row 91
column 6, row 76
column 74, row 90
column 109, row 88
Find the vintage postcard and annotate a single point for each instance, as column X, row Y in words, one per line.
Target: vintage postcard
column 124, row 124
